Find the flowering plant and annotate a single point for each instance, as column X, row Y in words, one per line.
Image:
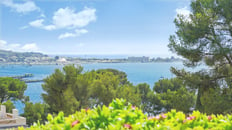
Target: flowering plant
column 120, row 115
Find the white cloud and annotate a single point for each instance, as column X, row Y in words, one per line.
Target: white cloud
column 37, row 23
column 183, row 11
column 18, row 47
column 67, row 18
column 42, row 15
column 49, row 27
column 81, row 31
column 25, row 7
column 2, row 44
column 23, row 27
column 66, row 35
column 30, row 47
column 13, row 46
column 77, row 33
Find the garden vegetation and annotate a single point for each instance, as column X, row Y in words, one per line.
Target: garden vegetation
column 202, row 37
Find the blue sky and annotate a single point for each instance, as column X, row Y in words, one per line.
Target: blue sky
column 88, row 27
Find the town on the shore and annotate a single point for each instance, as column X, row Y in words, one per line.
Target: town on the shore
column 31, row 58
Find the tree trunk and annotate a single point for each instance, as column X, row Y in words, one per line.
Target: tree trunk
column 199, row 106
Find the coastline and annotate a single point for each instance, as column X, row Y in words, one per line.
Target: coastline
column 32, row 58
column 75, row 63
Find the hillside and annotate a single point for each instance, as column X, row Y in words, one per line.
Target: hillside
column 10, row 56
column 5, row 54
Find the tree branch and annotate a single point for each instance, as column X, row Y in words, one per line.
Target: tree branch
column 220, row 46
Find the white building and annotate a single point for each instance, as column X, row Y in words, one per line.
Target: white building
column 11, row 120
column 138, row 59
column 61, row 60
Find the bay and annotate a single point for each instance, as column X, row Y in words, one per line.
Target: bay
column 136, row 73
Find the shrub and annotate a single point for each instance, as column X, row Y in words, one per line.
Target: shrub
column 121, row 116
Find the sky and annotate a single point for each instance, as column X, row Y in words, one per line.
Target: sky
column 90, row 27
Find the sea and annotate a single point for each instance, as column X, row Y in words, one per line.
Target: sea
column 136, row 73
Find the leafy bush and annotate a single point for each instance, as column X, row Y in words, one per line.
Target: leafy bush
column 121, row 116
column 35, row 112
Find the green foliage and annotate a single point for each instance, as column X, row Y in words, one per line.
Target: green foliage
column 70, row 90
column 205, row 37
column 121, row 75
column 11, row 89
column 162, row 86
column 35, row 112
column 174, row 95
column 147, row 97
column 103, row 87
column 81, row 89
column 58, row 88
column 215, row 100
column 9, row 106
column 129, row 93
column 119, row 116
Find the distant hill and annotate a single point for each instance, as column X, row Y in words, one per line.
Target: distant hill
column 6, row 54
column 9, row 56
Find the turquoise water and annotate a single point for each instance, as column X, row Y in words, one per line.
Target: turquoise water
column 136, row 73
